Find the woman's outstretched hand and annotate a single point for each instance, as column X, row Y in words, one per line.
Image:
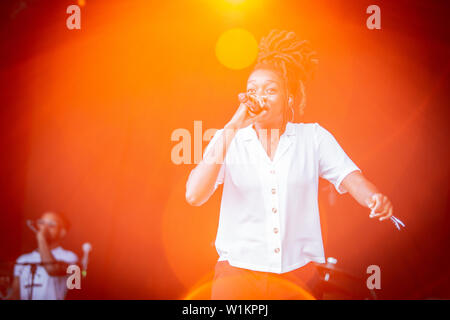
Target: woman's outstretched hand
column 380, row 206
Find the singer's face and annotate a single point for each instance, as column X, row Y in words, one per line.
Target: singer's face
column 52, row 225
column 268, row 83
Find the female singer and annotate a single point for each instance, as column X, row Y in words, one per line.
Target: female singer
column 269, row 222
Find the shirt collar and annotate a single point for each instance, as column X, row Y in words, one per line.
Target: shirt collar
column 248, row 133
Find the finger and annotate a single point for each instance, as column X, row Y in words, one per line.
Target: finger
column 244, row 108
column 388, row 215
column 379, row 207
column 381, row 212
column 251, row 113
column 384, row 213
column 378, row 203
column 375, row 214
column 369, row 203
column 242, row 97
column 372, row 201
column 387, row 205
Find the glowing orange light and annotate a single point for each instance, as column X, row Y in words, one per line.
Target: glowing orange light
column 235, row 1
column 281, row 289
column 81, row 3
column 236, row 48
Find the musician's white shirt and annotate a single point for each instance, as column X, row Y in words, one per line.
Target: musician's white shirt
column 269, row 215
column 46, row 287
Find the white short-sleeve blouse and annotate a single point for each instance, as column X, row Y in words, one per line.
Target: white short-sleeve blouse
column 269, row 215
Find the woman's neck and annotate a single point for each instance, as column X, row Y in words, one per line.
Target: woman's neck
column 267, row 128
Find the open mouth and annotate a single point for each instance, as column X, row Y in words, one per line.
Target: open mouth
column 260, row 102
column 255, row 103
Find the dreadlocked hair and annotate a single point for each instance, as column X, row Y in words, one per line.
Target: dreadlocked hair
column 293, row 59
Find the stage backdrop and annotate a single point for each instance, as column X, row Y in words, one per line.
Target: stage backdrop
column 87, row 116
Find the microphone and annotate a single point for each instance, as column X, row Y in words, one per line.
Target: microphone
column 333, row 261
column 84, row 261
column 254, row 102
column 32, row 226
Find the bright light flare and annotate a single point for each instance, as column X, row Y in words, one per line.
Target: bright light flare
column 236, row 48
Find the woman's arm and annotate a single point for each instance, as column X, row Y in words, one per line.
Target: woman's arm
column 201, row 181
column 200, row 185
column 54, row 268
column 368, row 195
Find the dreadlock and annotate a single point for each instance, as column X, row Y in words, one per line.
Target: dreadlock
column 284, row 53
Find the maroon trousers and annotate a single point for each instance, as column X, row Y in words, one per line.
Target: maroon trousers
column 233, row 283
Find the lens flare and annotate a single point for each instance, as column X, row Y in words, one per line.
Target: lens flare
column 281, row 289
column 236, row 49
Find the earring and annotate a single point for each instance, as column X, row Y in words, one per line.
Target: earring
column 303, row 101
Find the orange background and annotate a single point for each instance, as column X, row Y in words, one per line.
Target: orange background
column 86, row 119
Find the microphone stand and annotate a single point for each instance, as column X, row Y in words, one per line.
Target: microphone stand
column 33, row 270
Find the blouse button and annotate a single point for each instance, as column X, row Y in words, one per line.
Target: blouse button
column 275, row 230
column 274, row 210
column 277, row 250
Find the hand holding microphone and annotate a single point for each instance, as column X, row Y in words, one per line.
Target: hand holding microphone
column 255, row 103
column 251, row 109
column 32, row 226
column 40, row 230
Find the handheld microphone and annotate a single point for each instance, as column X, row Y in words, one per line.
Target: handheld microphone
column 84, row 261
column 31, row 225
column 255, row 103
